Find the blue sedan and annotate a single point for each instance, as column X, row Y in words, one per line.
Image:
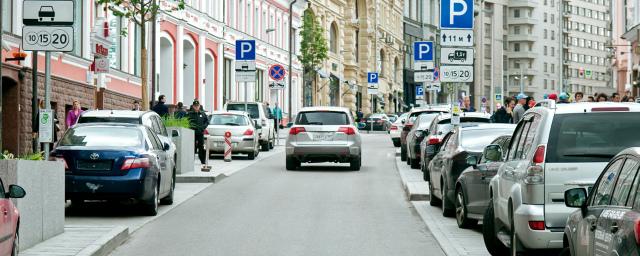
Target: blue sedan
column 112, row 161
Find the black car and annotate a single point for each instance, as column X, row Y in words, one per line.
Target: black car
column 380, row 122
column 408, row 124
column 448, row 164
column 115, row 161
column 418, row 132
column 440, row 127
column 472, row 187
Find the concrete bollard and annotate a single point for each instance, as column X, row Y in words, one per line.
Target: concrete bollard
column 206, row 167
column 227, row 146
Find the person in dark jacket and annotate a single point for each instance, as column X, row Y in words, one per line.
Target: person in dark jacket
column 504, row 114
column 198, row 121
column 180, row 112
column 160, row 108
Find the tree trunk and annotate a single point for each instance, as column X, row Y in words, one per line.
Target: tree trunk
column 143, row 66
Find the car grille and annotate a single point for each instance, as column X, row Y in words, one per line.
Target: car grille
column 90, row 165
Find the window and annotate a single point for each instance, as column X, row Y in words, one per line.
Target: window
column 545, row 17
column 625, row 182
column 137, row 53
column 532, row 130
column 77, row 27
column 381, row 65
column 546, row 32
column 553, row 68
column 516, row 30
column 7, row 15
column 226, row 89
column 553, row 84
column 545, row 50
column 545, row 84
column 553, row 35
column 516, row 47
column 517, row 144
column 357, row 43
column 333, row 38
column 602, row 194
column 89, row 136
column 553, row 19
column 516, row 13
column 545, row 67
column 553, row 51
column 323, row 118
column 516, row 64
column 115, row 25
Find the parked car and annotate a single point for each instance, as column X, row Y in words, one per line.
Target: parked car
column 323, row 134
column 396, row 128
column 392, row 117
column 262, row 114
column 554, row 148
column 440, row 127
column 408, row 124
column 472, row 187
column 244, row 133
column 116, row 161
column 448, row 164
column 380, row 122
column 418, row 132
column 147, row 118
column 608, row 221
column 10, row 244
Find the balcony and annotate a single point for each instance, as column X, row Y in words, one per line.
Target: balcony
column 522, row 37
column 529, row 72
column 522, row 55
column 524, row 3
column 522, row 20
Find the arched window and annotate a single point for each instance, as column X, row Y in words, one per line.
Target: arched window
column 396, row 69
column 381, row 67
column 333, row 38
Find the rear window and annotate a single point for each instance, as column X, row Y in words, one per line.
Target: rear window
column 477, row 140
column 323, row 118
column 102, row 137
column 253, row 109
column 593, row 137
column 233, row 120
column 95, row 119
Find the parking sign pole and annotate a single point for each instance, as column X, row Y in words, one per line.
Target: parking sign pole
column 34, row 101
column 47, row 92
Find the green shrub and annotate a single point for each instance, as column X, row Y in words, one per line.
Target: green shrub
column 170, row 121
column 6, row 155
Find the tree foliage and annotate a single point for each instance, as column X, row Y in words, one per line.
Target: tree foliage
column 313, row 46
column 138, row 11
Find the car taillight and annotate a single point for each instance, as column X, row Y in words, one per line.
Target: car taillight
column 248, row 132
column 393, row 128
column 538, row 157
column 536, row 225
column 59, row 159
column 206, row 132
column 133, row 163
column 296, row 130
column 637, row 231
column 535, row 172
column 434, row 141
column 347, row 130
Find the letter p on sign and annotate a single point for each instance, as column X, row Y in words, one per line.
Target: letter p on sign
column 456, row 14
column 423, row 51
column 372, row 78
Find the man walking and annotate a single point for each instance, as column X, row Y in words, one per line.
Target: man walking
column 160, row 108
column 198, row 121
column 180, row 112
column 136, row 106
column 504, row 114
column 519, row 110
column 466, row 105
column 277, row 115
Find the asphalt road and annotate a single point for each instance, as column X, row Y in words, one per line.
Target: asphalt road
column 265, row 210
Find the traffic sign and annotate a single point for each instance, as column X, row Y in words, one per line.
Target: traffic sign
column 246, row 50
column 102, row 65
column 419, row 92
column 372, row 77
column 433, row 87
column 498, row 97
column 244, row 65
column 48, row 13
column 436, row 74
column 372, row 89
column 245, row 76
column 423, row 77
column 423, row 51
column 457, row 56
column 45, row 126
column 423, row 65
column 276, row 85
column 456, row 38
column 277, row 72
column 456, row 74
column 47, row 38
column 456, row 14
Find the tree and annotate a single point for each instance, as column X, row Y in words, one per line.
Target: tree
column 139, row 12
column 313, row 45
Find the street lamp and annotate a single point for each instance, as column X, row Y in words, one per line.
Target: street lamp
column 521, row 81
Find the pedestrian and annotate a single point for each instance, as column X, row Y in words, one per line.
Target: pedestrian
column 277, row 115
column 615, row 97
column 73, row 114
column 578, row 96
column 360, row 115
column 198, row 122
column 553, row 96
column 564, row 98
column 631, row 99
column 466, row 105
column 160, row 108
column 601, row 97
column 136, row 106
column 532, row 102
column 180, row 111
column 518, row 110
column 591, row 99
column 504, row 114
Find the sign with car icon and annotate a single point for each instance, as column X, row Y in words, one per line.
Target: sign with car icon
column 457, row 56
column 48, row 25
column 44, row 13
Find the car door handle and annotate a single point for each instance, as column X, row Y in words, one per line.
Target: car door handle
column 614, row 228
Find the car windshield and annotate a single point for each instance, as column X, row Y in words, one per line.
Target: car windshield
column 595, row 137
column 322, row 118
column 376, row 116
column 477, row 140
column 253, row 109
column 108, row 119
column 102, row 136
column 226, row 119
column 425, row 120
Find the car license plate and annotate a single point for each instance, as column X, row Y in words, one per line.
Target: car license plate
column 322, row 136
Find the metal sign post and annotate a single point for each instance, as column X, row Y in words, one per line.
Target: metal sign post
column 246, row 65
column 372, row 89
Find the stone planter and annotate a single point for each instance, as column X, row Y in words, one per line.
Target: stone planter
column 42, row 209
column 184, row 141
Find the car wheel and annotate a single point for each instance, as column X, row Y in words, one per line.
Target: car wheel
column 396, row 143
column 355, row 163
column 565, row 252
column 447, row 209
column 264, row 146
column 271, row 143
column 252, row 155
column 433, row 200
column 494, row 246
column 461, row 211
column 425, row 172
column 408, row 160
column 168, row 200
column 403, row 153
column 16, row 244
column 150, row 207
column 292, row 163
column 415, row 164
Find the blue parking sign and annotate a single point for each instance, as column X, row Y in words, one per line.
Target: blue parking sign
column 419, row 90
column 423, row 51
column 372, row 77
column 456, row 14
column 246, row 50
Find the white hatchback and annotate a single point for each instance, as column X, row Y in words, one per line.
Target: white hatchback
column 396, row 129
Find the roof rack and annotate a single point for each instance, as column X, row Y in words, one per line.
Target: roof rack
column 551, row 104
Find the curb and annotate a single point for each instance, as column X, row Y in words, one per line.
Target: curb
column 200, row 179
column 107, row 243
column 415, row 190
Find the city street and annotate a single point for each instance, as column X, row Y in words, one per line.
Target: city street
column 265, row 210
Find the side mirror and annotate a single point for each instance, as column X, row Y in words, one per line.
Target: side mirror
column 166, row 146
column 362, row 125
column 175, row 133
column 493, row 153
column 576, row 198
column 472, row 161
column 16, row 191
column 403, row 121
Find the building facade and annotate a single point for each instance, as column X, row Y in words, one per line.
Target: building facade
column 363, row 36
column 632, row 34
column 621, row 48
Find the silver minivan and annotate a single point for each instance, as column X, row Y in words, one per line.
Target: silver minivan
column 323, row 134
column 555, row 147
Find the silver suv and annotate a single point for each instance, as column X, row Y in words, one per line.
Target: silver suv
column 323, row 134
column 261, row 114
column 554, row 148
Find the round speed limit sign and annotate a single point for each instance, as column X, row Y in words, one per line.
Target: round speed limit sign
column 43, row 38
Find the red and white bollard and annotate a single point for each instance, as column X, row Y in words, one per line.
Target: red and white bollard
column 227, row 146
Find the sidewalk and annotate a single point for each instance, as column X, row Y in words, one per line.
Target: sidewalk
column 454, row 241
column 99, row 228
